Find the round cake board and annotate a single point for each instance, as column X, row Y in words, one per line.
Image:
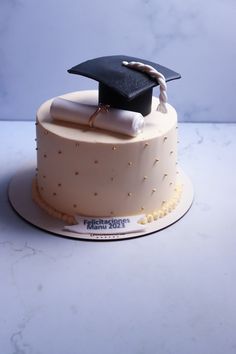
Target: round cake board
column 20, row 196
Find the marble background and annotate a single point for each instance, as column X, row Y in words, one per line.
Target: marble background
column 39, row 40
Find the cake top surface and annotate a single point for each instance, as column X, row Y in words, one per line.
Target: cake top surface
column 156, row 123
column 121, row 86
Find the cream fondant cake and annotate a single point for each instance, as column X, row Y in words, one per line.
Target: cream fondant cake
column 82, row 170
column 112, row 152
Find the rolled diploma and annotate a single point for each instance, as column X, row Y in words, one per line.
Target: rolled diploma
column 115, row 120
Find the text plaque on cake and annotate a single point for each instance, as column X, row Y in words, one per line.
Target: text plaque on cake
column 107, row 226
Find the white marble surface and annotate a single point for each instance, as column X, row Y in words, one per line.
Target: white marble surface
column 39, row 40
column 170, row 293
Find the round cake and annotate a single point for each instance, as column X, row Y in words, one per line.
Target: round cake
column 86, row 171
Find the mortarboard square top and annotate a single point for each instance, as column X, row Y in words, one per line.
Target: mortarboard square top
column 120, row 86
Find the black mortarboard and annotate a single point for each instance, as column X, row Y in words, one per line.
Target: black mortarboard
column 120, row 86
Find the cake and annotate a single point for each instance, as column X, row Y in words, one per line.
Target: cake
column 88, row 171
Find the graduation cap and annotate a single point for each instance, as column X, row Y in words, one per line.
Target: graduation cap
column 120, row 86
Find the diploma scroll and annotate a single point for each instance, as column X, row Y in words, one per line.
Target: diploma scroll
column 112, row 119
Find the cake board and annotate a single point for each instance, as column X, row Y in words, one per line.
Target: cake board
column 20, row 197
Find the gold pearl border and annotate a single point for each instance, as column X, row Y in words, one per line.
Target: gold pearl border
column 166, row 207
column 48, row 208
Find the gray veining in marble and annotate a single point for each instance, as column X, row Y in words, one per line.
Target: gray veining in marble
column 170, row 293
column 39, row 40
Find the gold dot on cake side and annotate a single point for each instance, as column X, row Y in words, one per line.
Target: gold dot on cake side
column 145, row 178
column 165, row 138
column 44, row 176
column 155, row 161
column 114, row 148
column 76, row 173
column 165, row 175
column 77, row 145
column 146, row 145
column 45, row 156
column 142, row 208
column 59, row 152
column 59, row 184
column 96, row 161
column 74, row 205
column 95, row 194
column 54, row 194
column 171, row 152
column 45, row 132
column 129, row 194
column 154, row 190
column 130, row 163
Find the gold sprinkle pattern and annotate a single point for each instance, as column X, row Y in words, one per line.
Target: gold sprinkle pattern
column 166, row 207
column 51, row 211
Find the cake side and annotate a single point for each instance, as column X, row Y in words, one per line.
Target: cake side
column 86, row 171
